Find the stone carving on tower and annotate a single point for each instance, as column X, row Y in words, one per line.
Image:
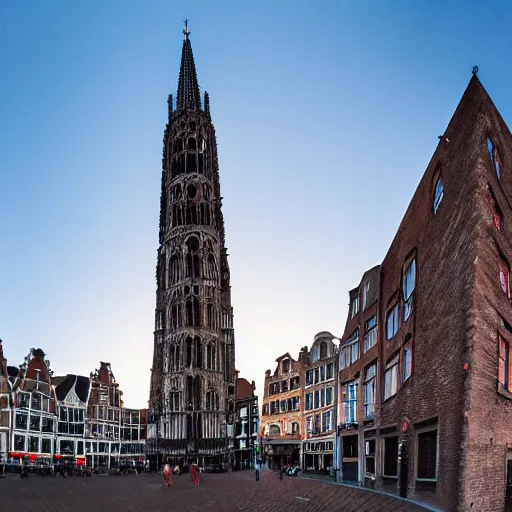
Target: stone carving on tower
column 193, row 376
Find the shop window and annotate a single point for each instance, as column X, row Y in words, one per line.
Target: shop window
column 390, row 456
column 369, row 456
column 46, row 445
column 19, row 443
column 427, row 455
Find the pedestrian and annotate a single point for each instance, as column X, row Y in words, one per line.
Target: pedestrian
column 257, row 469
column 177, row 470
column 168, row 474
column 280, row 472
column 194, row 474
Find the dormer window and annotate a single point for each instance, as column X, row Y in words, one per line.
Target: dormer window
column 354, row 307
column 366, row 291
column 438, row 194
column 286, row 366
column 495, row 157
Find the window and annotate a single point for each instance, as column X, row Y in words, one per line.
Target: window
column 243, row 413
column 438, row 194
column 391, row 456
column 349, row 354
column 318, row 424
column 329, row 371
column 46, row 445
column 264, row 411
column 295, row 428
column 35, row 422
column 323, row 350
column 327, row 421
column 21, row 421
column 392, row 322
column 427, row 455
column 328, row 396
column 504, row 366
column 309, row 421
column 322, row 373
column 391, row 378
column 495, row 157
column 505, row 278
column 33, row 444
column 369, row 452
column 19, row 443
column 284, row 386
column 366, row 291
column 350, row 402
column 407, row 363
column 496, row 215
column 286, row 366
column 408, row 285
column 309, row 401
column 370, row 375
column 317, row 399
column 309, row 377
column 370, row 337
column 354, row 307
column 275, row 430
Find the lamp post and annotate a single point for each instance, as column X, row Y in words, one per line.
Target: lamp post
column 337, row 444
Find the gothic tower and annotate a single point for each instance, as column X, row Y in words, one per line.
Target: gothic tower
column 193, row 376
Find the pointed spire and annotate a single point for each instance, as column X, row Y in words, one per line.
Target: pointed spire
column 189, row 97
column 207, row 105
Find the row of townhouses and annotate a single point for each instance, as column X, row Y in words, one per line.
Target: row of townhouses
column 415, row 397
column 66, row 417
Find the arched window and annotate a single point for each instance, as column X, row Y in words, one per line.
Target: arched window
column 323, row 350
column 211, row 313
column 212, row 401
column 193, row 312
column 212, row 267
column 210, row 357
column 188, row 349
column 174, row 269
column 275, row 430
column 438, row 194
column 193, row 266
column 495, row 157
column 199, row 352
column 191, row 144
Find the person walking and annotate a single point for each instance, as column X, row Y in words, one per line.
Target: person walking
column 168, row 474
column 257, row 470
column 194, row 474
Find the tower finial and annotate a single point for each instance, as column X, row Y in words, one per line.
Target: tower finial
column 475, row 70
column 186, row 31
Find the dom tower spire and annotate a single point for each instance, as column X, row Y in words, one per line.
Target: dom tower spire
column 193, row 376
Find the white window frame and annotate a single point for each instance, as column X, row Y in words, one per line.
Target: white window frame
column 391, row 376
column 369, row 389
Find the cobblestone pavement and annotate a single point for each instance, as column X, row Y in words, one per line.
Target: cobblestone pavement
column 231, row 492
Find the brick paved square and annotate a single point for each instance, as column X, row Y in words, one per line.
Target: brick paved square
column 231, row 492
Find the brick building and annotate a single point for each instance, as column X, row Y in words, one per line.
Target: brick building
column 247, row 425
column 319, row 366
column 33, row 408
column 357, row 378
column 444, row 408
column 5, row 407
column 281, row 415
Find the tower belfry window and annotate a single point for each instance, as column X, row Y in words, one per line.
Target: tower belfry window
column 438, row 194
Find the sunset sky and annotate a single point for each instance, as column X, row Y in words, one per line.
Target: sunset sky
column 326, row 115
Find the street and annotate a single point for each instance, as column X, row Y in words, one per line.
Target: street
column 237, row 491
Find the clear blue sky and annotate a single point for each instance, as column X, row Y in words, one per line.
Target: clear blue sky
column 326, row 113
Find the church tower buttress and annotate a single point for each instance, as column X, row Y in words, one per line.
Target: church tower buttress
column 192, row 390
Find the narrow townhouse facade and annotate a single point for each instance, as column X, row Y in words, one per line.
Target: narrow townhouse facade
column 72, row 395
column 33, row 411
column 103, row 431
column 5, row 407
column 319, row 398
column 357, row 377
column 247, row 426
column 133, row 433
column 281, row 415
